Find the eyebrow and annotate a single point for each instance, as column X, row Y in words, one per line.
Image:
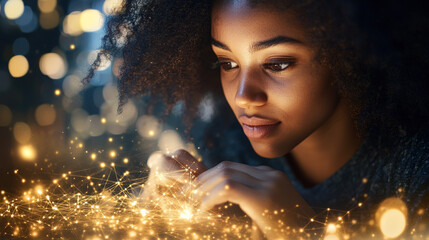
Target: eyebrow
column 260, row 45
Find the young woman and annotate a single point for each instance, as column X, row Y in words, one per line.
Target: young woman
column 335, row 90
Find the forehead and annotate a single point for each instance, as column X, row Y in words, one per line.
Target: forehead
column 236, row 18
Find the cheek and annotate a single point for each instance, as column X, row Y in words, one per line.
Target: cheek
column 229, row 91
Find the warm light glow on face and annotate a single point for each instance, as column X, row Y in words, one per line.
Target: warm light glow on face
column 53, row 65
column 27, row 152
column 45, row 114
column 13, row 9
column 18, row 66
column 91, row 20
column 46, row 6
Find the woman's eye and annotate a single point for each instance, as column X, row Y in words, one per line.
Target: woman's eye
column 277, row 67
column 228, row 65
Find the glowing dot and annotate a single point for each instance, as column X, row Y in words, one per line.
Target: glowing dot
column 125, row 160
column 91, row 20
column 151, row 133
column 143, row 212
column 22, row 132
column 113, row 164
column 364, row 180
column 110, row 139
column 53, row 65
column 13, row 9
column 39, row 190
column 331, row 228
column 57, row 92
column 2, row 192
column 112, row 154
column 360, row 204
column 103, row 120
column 72, row 47
column 186, row 214
column 340, row 218
column 421, row 211
column 226, row 187
column 23, row 180
column 102, row 165
column 18, row 66
column 27, row 152
column 45, row 114
column 93, row 156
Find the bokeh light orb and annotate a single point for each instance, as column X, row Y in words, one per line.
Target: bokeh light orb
column 22, row 132
column 71, row 24
column 5, row 116
column 18, row 66
column 49, row 20
column 46, row 6
column 112, row 7
column 392, row 217
column 53, row 65
column 91, row 20
column 27, row 153
column 72, row 85
column 13, row 9
column 148, row 126
column 45, row 114
column 105, row 62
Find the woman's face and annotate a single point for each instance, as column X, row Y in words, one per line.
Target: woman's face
column 279, row 93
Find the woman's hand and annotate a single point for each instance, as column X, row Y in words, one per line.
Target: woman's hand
column 264, row 194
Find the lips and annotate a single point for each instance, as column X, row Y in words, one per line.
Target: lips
column 258, row 127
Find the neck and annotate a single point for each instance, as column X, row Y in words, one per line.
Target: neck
column 327, row 149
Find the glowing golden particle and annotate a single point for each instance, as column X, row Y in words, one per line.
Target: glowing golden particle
column 132, row 234
column 364, row 180
column 15, row 171
column 340, row 218
column 276, row 212
column 88, row 177
column 112, row 154
column 80, row 145
column 328, row 209
column 400, row 190
column 226, row 187
column 143, row 212
column 27, row 152
column 125, row 160
column 102, row 165
column 331, row 228
column 57, row 92
column 103, row 120
column 72, row 46
column 2, row 192
column 151, row 133
column 53, row 65
column 110, row 139
column 312, row 220
column 301, row 230
column 23, row 180
column 55, row 181
column 93, row 156
column 421, row 211
column 112, row 164
column 360, row 204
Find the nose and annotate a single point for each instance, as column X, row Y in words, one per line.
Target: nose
column 250, row 91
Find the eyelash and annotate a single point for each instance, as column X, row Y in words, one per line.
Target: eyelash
column 273, row 66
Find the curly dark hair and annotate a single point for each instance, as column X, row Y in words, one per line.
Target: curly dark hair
column 376, row 50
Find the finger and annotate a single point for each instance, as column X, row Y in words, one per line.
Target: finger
column 244, row 178
column 227, row 191
column 187, row 161
column 223, row 166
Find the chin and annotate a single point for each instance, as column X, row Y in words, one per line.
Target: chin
column 267, row 150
